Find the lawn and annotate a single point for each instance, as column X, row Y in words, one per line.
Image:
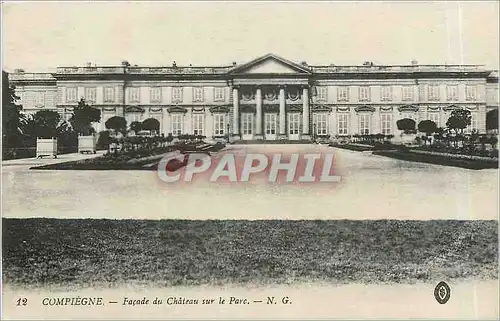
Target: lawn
column 70, row 252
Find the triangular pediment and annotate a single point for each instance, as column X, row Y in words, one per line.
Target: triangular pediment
column 271, row 64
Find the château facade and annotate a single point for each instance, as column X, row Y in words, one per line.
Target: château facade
column 267, row 98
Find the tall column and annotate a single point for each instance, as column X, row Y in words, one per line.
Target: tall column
column 236, row 112
column 305, row 113
column 258, row 114
column 282, row 112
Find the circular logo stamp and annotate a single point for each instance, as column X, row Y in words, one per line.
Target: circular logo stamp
column 442, row 292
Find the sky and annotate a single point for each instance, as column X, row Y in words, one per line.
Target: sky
column 40, row 36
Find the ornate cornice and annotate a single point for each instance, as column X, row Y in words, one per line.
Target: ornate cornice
column 386, row 108
column 321, row 108
column 219, row 109
column 343, row 109
column 271, row 108
column 294, row 107
column 134, row 109
column 411, row 108
column 365, row 108
column 248, row 109
column 198, row 109
column 177, row 109
column 451, row 107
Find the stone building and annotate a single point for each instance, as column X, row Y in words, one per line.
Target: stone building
column 267, row 98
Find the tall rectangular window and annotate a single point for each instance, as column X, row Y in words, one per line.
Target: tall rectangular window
column 433, row 92
column 343, row 93
column 386, row 124
column 219, row 124
column 343, row 124
column 364, row 124
column 90, row 94
column 471, row 92
column 407, row 93
column 386, row 93
column 364, row 93
column 177, row 94
column 434, row 116
column 71, row 94
column 219, row 94
column 198, row 93
column 109, row 94
column 321, row 123
column 155, row 94
column 322, row 93
column 135, row 94
column 198, row 124
column 177, row 124
column 452, row 93
column 39, row 98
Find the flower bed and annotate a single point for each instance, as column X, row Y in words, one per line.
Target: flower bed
column 138, row 159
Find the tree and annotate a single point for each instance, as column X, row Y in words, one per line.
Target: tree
column 459, row 120
column 11, row 113
column 83, row 117
column 151, row 124
column 407, row 125
column 117, row 124
column 428, row 127
column 492, row 119
column 136, row 126
column 46, row 123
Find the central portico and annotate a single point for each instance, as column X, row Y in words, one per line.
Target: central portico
column 270, row 100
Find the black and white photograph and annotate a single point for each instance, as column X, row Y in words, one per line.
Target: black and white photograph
column 250, row 160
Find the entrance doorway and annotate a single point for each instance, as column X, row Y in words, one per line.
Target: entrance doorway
column 271, row 125
column 247, row 126
column 293, row 126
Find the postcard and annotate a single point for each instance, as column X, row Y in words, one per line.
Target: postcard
column 250, row 160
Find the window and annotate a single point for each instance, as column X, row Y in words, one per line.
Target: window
column 155, row 94
column 407, row 93
column 409, row 114
column 343, row 124
column 433, row 93
column 343, row 93
column 90, row 93
column 39, row 98
column 177, row 122
column 134, row 94
column 322, row 93
column 109, row 94
column 198, row 124
column 177, row 94
column 219, row 124
column 198, row 93
column 452, row 93
column 364, row 124
column 386, row 124
column 386, row 93
column 321, row 124
column 219, row 94
column 470, row 93
column 132, row 117
column 434, row 117
column 71, row 95
column 364, row 93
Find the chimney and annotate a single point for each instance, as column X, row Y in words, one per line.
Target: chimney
column 304, row 63
column 88, row 64
column 414, row 62
column 234, row 63
column 18, row 71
